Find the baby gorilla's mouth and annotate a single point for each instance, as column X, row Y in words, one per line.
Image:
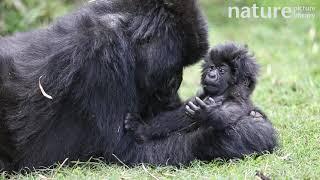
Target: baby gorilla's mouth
column 210, row 83
column 210, row 88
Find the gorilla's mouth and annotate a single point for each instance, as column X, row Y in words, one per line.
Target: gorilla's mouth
column 211, row 82
column 211, row 88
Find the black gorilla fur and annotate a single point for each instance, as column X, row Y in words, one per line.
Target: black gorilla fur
column 225, row 124
column 108, row 58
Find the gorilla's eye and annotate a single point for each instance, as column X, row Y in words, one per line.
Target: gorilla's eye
column 221, row 70
column 212, row 67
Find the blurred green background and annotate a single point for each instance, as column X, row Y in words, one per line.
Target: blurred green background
column 288, row 90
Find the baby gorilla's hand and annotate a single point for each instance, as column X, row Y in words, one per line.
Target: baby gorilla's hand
column 199, row 110
column 257, row 116
column 133, row 124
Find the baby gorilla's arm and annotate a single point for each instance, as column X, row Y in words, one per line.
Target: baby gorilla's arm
column 160, row 126
column 213, row 113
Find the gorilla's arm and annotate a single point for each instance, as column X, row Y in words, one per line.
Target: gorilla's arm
column 179, row 120
column 160, row 126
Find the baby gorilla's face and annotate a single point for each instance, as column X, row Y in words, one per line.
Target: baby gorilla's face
column 216, row 78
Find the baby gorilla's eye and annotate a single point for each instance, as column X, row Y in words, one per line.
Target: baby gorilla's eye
column 212, row 67
column 221, row 70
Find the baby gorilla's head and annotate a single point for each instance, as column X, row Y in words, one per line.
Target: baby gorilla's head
column 216, row 78
column 229, row 68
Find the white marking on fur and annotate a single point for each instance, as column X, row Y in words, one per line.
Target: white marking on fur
column 43, row 91
column 113, row 19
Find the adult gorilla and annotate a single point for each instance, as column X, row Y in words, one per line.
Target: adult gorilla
column 95, row 65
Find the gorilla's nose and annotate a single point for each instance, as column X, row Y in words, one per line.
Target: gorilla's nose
column 213, row 75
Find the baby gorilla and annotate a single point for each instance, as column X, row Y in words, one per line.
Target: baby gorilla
column 222, row 115
column 228, row 79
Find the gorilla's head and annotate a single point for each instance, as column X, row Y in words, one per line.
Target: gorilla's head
column 170, row 37
column 230, row 68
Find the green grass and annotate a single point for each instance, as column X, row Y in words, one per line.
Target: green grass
column 21, row 15
column 288, row 91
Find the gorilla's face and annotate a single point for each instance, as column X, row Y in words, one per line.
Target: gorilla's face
column 216, row 78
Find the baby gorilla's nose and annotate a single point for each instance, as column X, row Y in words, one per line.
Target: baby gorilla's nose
column 212, row 75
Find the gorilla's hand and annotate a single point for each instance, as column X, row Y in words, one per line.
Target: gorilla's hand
column 200, row 110
column 133, row 123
